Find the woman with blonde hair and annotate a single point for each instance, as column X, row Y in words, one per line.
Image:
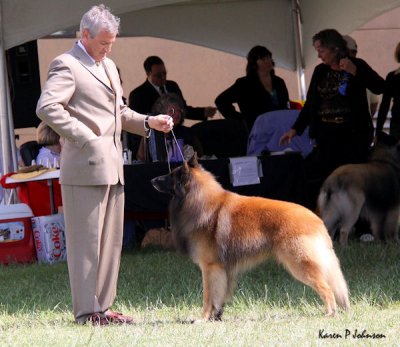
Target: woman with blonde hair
column 391, row 93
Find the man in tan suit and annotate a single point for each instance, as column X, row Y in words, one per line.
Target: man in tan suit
column 82, row 101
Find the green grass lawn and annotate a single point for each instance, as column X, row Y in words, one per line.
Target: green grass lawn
column 162, row 290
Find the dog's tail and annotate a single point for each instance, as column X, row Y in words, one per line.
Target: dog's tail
column 323, row 199
column 312, row 260
column 326, row 202
column 335, row 279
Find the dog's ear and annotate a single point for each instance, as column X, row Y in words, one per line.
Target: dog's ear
column 188, row 152
column 193, row 160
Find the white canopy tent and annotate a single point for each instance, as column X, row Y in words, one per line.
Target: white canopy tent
column 227, row 25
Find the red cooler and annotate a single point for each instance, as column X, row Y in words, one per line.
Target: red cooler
column 16, row 237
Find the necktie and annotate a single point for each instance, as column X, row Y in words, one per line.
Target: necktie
column 104, row 73
column 162, row 89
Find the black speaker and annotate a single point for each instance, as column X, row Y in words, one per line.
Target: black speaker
column 24, row 80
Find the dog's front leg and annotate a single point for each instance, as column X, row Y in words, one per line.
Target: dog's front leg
column 214, row 290
column 207, row 303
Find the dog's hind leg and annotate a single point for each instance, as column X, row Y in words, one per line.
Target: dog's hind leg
column 349, row 219
column 215, row 287
column 388, row 229
column 377, row 225
column 341, row 212
column 391, row 231
column 310, row 273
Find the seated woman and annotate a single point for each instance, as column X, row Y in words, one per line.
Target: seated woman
column 258, row 92
column 49, row 153
column 164, row 147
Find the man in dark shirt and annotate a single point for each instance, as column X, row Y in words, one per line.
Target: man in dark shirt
column 143, row 97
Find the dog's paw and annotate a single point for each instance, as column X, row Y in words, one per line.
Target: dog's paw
column 331, row 313
column 217, row 316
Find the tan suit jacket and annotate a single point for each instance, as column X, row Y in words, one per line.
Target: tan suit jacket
column 83, row 103
column 85, row 107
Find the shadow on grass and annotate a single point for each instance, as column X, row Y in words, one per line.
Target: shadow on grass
column 167, row 278
column 155, row 278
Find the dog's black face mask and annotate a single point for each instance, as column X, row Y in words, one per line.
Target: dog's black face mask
column 171, row 183
column 177, row 182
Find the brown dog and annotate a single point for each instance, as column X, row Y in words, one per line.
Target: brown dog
column 226, row 234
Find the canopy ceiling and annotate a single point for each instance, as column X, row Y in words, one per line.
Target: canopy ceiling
column 227, row 25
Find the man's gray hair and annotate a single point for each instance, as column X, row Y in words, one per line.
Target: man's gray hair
column 99, row 18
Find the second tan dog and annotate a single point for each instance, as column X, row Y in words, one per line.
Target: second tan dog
column 369, row 190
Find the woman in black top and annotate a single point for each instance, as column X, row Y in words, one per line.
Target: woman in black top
column 258, row 92
column 336, row 109
column 392, row 91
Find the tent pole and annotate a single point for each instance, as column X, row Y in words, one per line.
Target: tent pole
column 7, row 144
column 298, row 37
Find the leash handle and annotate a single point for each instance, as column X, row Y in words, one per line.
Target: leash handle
column 166, row 150
column 177, row 145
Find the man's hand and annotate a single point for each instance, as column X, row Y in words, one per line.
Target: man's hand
column 162, row 122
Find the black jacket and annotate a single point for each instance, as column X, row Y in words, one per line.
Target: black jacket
column 392, row 91
column 252, row 98
column 142, row 99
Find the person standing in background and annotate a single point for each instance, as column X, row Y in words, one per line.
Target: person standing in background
column 82, row 102
column 373, row 99
column 336, row 109
column 391, row 93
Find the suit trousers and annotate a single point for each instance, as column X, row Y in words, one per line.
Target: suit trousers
column 94, row 231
